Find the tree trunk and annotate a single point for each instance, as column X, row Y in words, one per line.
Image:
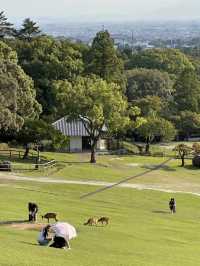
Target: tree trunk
column 26, row 153
column 147, row 148
column 93, row 153
column 183, row 161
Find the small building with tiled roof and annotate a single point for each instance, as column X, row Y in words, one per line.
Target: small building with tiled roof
column 78, row 136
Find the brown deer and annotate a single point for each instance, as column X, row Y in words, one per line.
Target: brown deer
column 91, row 221
column 50, row 215
column 103, row 220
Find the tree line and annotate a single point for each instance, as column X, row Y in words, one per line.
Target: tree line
column 148, row 95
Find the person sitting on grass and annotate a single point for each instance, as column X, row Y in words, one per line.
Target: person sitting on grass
column 63, row 232
column 43, row 238
column 172, row 205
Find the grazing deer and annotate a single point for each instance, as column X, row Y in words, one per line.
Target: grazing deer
column 91, row 221
column 50, row 215
column 103, row 220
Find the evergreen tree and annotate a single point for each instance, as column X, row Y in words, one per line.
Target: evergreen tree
column 29, row 30
column 104, row 60
column 6, row 28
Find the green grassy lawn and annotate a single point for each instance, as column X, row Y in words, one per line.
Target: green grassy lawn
column 141, row 231
column 112, row 168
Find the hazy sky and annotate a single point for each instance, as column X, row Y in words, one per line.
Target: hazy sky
column 83, row 10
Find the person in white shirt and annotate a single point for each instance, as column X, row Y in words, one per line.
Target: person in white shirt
column 63, row 233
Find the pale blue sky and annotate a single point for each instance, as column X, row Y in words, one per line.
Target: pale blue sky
column 98, row 10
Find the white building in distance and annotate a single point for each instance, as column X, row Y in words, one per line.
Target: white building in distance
column 78, row 137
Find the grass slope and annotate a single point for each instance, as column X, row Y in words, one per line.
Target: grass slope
column 141, row 232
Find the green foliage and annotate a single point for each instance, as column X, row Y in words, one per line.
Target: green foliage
column 182, row 151
column 29, row 30
column 187, row 92
column 100, row 105
column 169, row 60
column 150, row 105
column 6, row 28
column 35, row 131
column 17, row 95
column 147, row 82
column 104, row 60
column 46, row 60
column 196, row 148
column 157, row 127
column 187, row 122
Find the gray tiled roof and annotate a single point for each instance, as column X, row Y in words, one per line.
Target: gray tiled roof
column 71, row 129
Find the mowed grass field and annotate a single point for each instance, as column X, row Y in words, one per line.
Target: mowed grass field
column 113, row 168
column 141, row 230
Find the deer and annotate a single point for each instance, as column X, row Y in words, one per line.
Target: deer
column 103, row 220
column 91, row 221
column 50, row 215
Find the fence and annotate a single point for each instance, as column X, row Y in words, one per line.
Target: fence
column 17, row 154
column 26, row 165
column 7, row 166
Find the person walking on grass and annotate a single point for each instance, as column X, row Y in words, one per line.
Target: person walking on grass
column 172, row 205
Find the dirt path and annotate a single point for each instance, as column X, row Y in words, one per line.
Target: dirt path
column 155, row 187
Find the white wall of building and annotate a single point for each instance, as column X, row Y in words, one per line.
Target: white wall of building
column 102, row 145
column 75, row 144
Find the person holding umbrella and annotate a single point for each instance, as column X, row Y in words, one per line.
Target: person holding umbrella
column 63, row 232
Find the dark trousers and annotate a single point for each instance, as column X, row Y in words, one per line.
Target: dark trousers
column 32, row 216
column 58, row 242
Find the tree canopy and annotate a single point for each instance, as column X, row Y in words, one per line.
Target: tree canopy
column 6, row 28
column 45, row 60
column 17, row 94
column 168, row 60
column 98, row 104
column 104, row 60
column 147, row 82
column 156, row 127
column 29, row 30
column 187, row 92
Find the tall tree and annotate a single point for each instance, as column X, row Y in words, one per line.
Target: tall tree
column 17, row 94
column 187, row 92
column 104, row 60
column 98, row 104
column 29, row 30
column 6, row 28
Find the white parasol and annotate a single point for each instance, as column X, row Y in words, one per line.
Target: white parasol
column 64, row 230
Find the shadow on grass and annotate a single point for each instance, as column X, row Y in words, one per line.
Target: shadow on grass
column 161, row 212
column 71, row 162
column 30, row 244
column 190, row 167
column 163, row 167
column 13, row 222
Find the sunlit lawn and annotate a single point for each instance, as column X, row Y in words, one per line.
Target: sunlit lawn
column 141, row 231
